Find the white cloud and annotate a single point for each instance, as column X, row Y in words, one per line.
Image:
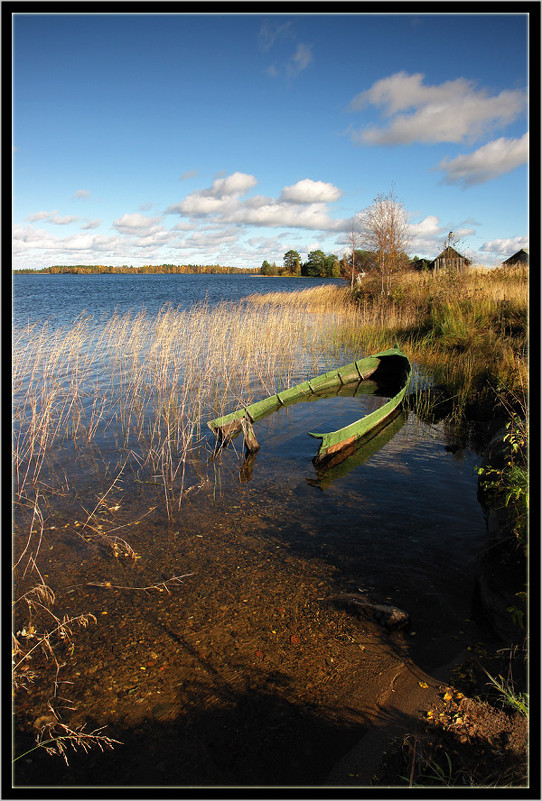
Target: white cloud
column 488, row 162
column 506, row 247
column 188, row 174
column 301, row 205
column 238, row 183
column 41, row 215
column 31, row 238
column 184, row 225
column 91, row 224
column 208, row 239
column 217, row 198
column 154, row 239
column 453, row 111
column 63, row 220
column 52, row 217
column 275, row 214
column 134, row 224
column 309, row 191
column 81, row 194
column 427, row 236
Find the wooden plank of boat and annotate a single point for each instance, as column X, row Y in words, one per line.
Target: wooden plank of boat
column 388, row 365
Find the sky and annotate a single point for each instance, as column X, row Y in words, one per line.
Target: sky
column 231, row 138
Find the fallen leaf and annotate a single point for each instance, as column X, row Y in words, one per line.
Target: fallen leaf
column 294, row 639
column 423, row 684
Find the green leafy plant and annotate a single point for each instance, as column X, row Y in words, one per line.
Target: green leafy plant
column 510, row 697
column 511, row 482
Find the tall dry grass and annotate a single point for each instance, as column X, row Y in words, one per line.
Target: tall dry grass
column 467, row 331
column 154, row 381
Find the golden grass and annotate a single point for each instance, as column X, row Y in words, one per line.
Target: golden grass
column 468, row 331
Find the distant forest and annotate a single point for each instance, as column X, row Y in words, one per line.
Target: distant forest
column 317, row 265
column 168, row 269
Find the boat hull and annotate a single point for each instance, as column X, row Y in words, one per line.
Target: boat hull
column 388, row 365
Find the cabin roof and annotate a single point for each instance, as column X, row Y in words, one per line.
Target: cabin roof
column 451, row 252
column 521, row 256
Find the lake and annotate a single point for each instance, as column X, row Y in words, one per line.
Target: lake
column 60, row 299
column 218, row 653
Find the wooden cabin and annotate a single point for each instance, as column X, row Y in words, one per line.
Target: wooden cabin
column 521, row 257
column 450, row 259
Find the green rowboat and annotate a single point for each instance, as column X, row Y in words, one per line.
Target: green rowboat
column 390, row 367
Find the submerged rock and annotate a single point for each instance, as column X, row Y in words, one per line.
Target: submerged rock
column 387, row 615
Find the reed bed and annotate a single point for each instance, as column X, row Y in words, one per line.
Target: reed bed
column 152, row 382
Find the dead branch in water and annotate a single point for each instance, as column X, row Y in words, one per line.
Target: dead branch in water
column 161, row 586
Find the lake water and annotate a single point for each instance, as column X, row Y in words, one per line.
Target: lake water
column 60, row 299
column 247, row 672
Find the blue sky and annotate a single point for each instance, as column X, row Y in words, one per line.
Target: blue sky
column 232, row 138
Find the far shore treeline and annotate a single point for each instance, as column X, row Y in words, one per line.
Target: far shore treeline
column 317, row 265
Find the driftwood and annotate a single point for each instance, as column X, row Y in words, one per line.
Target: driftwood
column 387, row 615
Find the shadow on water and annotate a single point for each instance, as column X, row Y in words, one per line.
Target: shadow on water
column 251, row 739
column 246, row 728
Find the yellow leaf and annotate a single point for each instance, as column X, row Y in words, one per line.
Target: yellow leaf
column 448, row 696
column 423, row 684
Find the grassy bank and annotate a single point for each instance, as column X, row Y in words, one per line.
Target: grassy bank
column 468, row 331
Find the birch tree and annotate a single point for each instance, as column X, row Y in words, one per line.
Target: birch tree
column 386, row 231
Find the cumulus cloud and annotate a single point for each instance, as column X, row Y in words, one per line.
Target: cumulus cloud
column 506, row 247
column 429, row 234
column 488, row 162
column 136, row 224
column 454, row 111
column 301, row 205
column 41, row 215
column 238, row 183
column 63, row 220
column 81, row 194
column 154, row 239
column 51, row 217
column 32, row 238
column 91, row 224
column 309, row 191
